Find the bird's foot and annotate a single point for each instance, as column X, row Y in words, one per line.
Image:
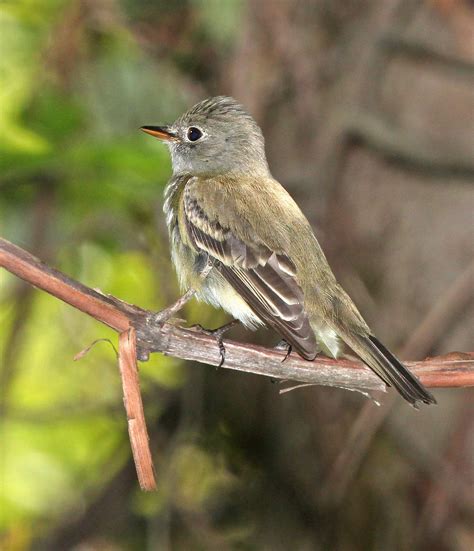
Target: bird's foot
column 164, row 315
column 286, row 346
column 218, row 335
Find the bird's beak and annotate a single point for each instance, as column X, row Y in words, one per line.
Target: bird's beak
column 160, row 132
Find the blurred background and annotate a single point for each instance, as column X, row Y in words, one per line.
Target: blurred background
column 367, row 108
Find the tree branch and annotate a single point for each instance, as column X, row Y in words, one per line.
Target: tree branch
column 137, row 431
column 403, row 147
column 142, row 332
column 398, row 44
column 453, row 370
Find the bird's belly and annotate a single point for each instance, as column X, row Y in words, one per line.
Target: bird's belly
column 328, row 340
column 216, row 291
column 212, row 288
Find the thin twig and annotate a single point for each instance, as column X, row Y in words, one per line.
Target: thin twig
column 134, row 407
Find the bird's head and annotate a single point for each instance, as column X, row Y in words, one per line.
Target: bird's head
column 218, row 136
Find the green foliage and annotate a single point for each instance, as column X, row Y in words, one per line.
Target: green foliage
column 81, row 186
column 219, row 19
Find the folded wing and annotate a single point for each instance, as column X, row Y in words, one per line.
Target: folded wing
column 265, row 279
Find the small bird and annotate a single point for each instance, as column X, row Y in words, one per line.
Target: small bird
column 242, row 243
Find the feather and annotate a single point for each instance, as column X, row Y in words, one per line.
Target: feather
column 264, row 279
column 389, row 368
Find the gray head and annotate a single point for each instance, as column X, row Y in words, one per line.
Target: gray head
column 216, row 135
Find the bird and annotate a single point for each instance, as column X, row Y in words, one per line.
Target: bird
column 241, row 242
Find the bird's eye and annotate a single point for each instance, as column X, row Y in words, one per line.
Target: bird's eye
column 194, row 134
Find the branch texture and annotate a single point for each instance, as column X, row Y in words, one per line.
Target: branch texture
column 453, row 370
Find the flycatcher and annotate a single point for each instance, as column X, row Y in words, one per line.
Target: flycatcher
column 239, row 240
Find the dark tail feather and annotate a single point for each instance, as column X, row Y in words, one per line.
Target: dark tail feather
column 394, row 373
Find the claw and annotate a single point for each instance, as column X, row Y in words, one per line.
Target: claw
column 288, row 352
column 284, row 345
column 218, row 334
column 222, row 351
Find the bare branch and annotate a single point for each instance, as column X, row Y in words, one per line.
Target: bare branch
column 453, row 370
column 134, row 407
column 397, row 44
column 403, row 147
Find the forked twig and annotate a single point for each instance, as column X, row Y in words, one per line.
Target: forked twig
column 139, row 330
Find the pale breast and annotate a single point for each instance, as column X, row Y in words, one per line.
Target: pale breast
column 189, row 264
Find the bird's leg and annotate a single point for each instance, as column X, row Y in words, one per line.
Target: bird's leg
column 164, row 315
column 158, row 318
column 218, row 334
column 284, row 345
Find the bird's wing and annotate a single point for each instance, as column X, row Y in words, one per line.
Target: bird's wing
column 264, row 278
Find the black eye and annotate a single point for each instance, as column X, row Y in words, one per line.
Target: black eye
column 194, row 134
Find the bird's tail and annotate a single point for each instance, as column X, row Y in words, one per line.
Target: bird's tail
column 389, row 368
